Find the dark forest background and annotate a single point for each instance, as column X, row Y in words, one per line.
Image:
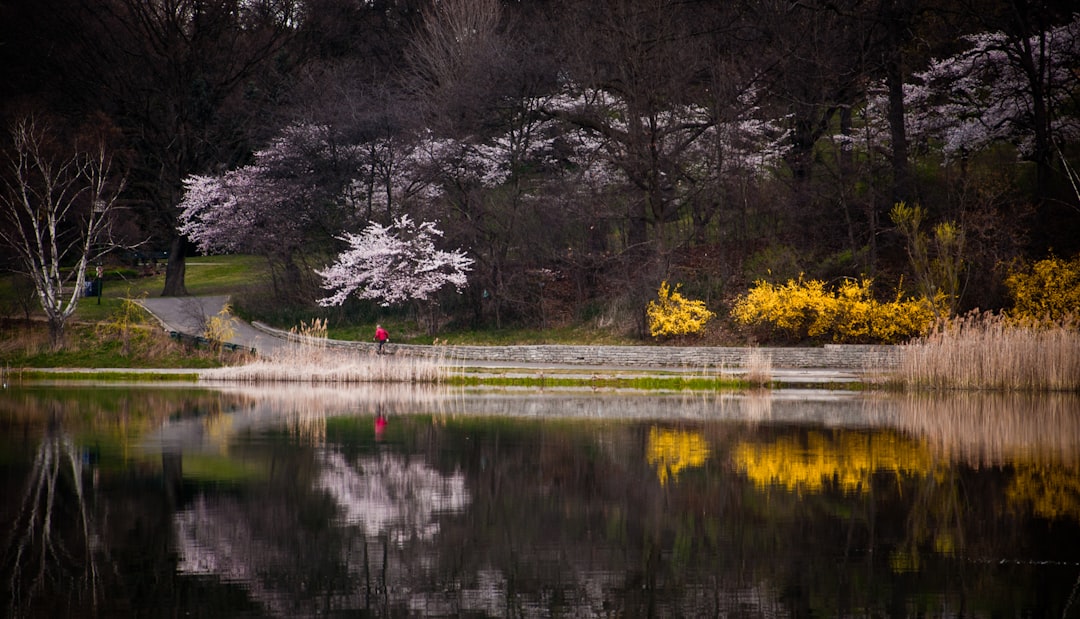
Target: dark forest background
column 198, row 87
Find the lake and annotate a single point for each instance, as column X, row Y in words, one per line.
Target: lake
column 166, row 500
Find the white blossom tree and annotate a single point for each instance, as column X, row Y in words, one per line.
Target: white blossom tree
column 394, row 265
column 57, row 207
column 986, row 93
column 963, row 103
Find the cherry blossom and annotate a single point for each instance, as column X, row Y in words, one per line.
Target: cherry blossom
column 393, row 265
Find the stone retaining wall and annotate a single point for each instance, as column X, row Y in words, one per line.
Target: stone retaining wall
column 830, row 356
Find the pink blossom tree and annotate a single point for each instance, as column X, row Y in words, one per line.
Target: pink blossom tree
column 992, row 92
column 292, row 199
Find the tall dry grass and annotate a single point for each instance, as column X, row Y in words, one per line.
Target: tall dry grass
column 308, row 358
column 989, row 351
column 758, row 367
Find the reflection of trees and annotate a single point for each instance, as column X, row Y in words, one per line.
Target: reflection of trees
column 54, row 542
column 390, row 494
column 458, row 513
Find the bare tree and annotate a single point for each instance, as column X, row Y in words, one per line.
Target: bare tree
column 57, row 205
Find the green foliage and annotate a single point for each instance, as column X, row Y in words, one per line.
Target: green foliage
column 849, row 313
column 673, row 314
column 24, row 345
column 1046, row 290
column 937, row 258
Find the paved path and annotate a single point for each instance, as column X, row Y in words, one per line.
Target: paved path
column 188, row 315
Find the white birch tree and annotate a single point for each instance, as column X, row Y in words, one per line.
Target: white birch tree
column 57, row 207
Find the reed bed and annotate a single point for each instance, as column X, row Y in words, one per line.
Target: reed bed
column 309, row 359
column 758, row 368
column 986, row 351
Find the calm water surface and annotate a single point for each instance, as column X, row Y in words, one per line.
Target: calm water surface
column 161, row 501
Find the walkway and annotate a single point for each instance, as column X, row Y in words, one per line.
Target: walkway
column 188, row 316
column 831, row 363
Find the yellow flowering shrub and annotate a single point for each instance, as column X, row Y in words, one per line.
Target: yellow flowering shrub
column 1048, row 289
column 848, row 313
column 673, row 314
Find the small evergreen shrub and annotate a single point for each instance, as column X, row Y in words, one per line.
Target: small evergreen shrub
column 848, row 313
column 673, row 314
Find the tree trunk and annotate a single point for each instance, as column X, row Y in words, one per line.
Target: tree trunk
column 894, row 79
column 56, row 332
column 176, row 268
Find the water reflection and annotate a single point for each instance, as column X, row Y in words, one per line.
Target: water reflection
column 53, row 536
column 389, row 494
column 426, row 502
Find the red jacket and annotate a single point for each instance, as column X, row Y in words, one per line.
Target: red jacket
column 381, row 335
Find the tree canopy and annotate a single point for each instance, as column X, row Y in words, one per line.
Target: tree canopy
column 582, row 152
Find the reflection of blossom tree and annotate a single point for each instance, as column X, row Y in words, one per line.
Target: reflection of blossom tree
column 391, row 494
column 43, row 547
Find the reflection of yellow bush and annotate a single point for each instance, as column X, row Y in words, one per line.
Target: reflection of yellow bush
column 845, row 461
column 1051, row 491
column 671, row 451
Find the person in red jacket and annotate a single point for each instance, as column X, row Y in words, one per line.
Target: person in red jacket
column 381, row 337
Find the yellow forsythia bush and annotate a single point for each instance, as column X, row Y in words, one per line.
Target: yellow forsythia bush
column 849, row 313
column 673, row 314
column 1048, row 289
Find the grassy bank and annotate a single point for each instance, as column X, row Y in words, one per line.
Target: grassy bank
column 26, row 345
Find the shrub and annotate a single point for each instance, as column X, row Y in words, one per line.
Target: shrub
column 127, row 323
column 220, row 328
column 849, row 313
column 673, row 314
column 1046, row 290
column 937, row 258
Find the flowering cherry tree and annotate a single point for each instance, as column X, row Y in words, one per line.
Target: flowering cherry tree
column 984, row 94
column 990, row 92
column 272, row 205
column 394, row 265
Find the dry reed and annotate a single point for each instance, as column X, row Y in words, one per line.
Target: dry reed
column 758, row 367
column 986, row 351
column 309, row 359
